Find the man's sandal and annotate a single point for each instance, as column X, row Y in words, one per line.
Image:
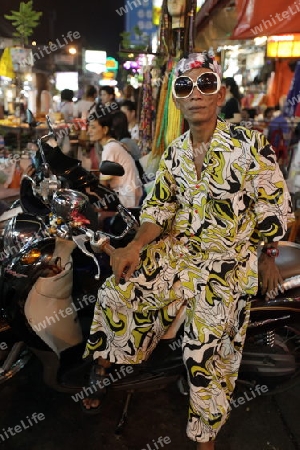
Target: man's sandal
column 100, row 391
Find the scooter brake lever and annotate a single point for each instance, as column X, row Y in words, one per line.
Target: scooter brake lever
column 80, row 241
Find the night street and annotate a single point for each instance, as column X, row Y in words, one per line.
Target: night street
column 150, row 225
column 259, row 423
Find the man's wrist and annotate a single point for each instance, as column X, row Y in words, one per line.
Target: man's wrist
column 136, row 245
column 270, row 250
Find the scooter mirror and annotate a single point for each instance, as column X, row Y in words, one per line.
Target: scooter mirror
column 111, row 168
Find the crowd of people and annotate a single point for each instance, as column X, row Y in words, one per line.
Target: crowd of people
column 113, row 132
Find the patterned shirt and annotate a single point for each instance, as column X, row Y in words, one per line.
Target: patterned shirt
column 240, row 199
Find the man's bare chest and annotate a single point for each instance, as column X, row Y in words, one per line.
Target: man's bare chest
column 198, row 161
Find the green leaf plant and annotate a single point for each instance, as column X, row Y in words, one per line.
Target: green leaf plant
column 24, row 21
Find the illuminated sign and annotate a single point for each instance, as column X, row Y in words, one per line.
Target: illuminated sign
column 95, row 61
column 284, row 46
column 66, row 80
column 111, row 64
column 108, row 75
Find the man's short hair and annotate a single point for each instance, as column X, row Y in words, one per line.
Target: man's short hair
column 109, row 89
column 67, row 95
column 131, row 106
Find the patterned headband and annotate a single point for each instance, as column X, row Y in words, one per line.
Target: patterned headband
column 195, row 60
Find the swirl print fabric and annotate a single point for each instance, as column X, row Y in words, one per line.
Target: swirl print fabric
column 206, row 258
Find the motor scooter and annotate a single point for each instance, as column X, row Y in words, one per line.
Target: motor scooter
column 28, row 220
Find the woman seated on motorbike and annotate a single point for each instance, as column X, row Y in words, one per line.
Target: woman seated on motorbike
column 128, row 186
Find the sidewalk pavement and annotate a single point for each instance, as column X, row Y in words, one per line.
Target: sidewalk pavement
column 260, row 423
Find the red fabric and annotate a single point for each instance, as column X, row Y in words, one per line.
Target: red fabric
column 281, row 83
column 266, row 18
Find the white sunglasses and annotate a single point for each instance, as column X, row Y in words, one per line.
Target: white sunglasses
column 208, row 83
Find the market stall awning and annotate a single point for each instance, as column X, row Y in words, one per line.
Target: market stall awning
column 266, row 18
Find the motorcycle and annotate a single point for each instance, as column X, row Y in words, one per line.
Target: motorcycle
column 28, row 220
column 271, row 352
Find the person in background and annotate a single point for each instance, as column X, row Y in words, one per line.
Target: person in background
column 129, row 108
column 107, row 96
column 262, row 120
column 67, row 105
column 84, row 106
column 122, row 134
column 245, row 115
column 129, row 93
column 268, row 114
column 279, row 123
column 128, row 186
column 232, row 104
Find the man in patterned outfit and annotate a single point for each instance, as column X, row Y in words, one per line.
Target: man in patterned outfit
column 218, row 192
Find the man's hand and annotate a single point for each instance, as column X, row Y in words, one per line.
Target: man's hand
column 269, row 277
column 124, row 261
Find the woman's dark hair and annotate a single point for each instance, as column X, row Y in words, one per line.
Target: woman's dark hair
column 268, row 110
column 67, row 95
column 120, row 126
column 104, row 117
column 234, row 89
column 90, row 91
column 128, row 91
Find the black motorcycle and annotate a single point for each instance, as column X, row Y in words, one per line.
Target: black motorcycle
column 29, row 220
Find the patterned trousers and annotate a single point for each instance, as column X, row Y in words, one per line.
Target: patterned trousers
column 131, row 318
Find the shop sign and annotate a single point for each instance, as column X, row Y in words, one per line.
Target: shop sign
column 141, row 17
column 284, row 46
column 112, row 64
column 95, row 61
column 108, row 75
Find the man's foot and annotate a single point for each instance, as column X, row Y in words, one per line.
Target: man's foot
column 93, row 403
